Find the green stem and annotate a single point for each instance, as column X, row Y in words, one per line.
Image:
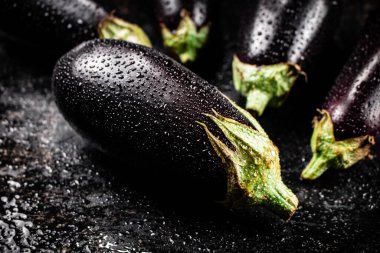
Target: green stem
column 316, row 167
column 257, row 101
column 281, row 200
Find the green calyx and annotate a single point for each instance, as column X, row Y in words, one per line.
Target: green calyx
column 264, row 85
column 328, row 152
column 115, row 28
column 186, row 40
column 253, row 168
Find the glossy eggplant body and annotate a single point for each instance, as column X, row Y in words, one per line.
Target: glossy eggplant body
column 57, row 24
column 285, row 31
column 278, row 41
column 130, row 99
column 184, row 26
column 352, row 108
column 354, row 100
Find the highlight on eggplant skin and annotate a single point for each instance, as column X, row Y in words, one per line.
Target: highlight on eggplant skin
column 63, row 24
column 184, row 25
column 130, row 100
column 278, row 42
column 350, row 120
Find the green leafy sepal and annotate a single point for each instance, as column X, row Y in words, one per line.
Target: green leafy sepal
column 187, row 39
column 253, row 167
column 115, row 28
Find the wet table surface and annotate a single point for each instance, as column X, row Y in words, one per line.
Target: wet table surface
column 59, row 194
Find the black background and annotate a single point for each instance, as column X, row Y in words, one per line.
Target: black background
column 58, row 194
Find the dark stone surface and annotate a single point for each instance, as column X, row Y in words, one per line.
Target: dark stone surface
column 58, row 194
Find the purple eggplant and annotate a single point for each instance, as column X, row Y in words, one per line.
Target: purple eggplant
column 136, row 103
column 63, row 24
column 278, row 41
column 349, row 122
column 184, row 26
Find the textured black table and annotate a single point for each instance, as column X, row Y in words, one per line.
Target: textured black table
column 58, row 194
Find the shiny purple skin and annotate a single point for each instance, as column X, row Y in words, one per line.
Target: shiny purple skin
column 354, row 100
column 276, row 31
column 57, row 24
column 169, row 11
column 139, row 104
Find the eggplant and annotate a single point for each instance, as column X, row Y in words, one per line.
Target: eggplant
column 277, row 44
column 349, row 121
column 184, row 25
column 63, row 24
column 132, row 101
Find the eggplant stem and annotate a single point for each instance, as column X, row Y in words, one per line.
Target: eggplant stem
column 253, row 167
column 257, row 101
column 328, row 152
column 281, row 199
column 115, row 28
column 316, row 167
column 186, row 39
column 264, row 85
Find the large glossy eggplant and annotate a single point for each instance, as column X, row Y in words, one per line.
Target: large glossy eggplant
column 184, row 26
column 278, row 41
column 130, row 99
column 63, row 24
column 350, row 117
